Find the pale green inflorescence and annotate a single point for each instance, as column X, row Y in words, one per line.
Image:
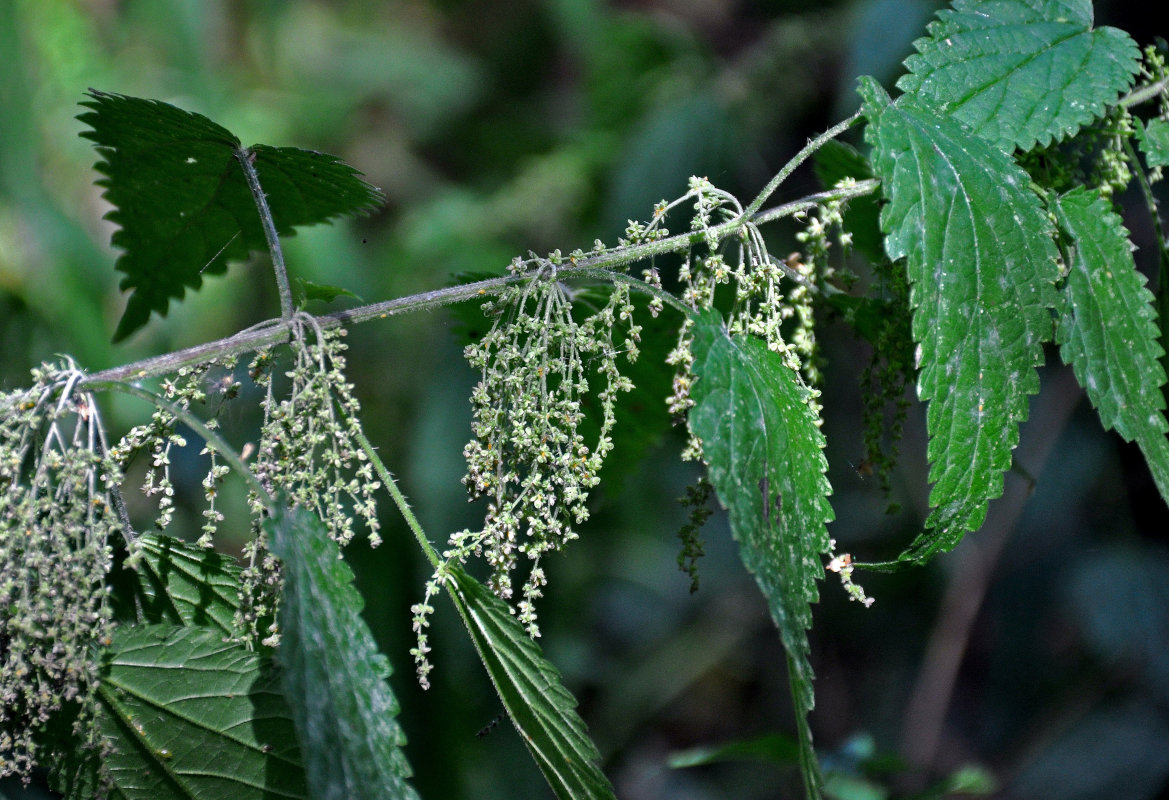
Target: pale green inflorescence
column 55, row 532
column 529, row 457
column 762, row 305
column 309, row 454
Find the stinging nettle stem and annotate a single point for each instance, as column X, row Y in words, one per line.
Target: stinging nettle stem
column 246, row 159
column 602, row 266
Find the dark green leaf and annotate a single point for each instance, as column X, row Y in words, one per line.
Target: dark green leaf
column 772, row 748
column 541, row 708
column 982, row 267
column 1154, row 136
column 182, row 584
column 764, row 452
column 317, row 291
column 181, row 201
column 1107, row 328
column 333, row 675
column 1020, row 71
column 188, row 715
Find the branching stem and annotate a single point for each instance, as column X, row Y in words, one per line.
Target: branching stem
column 245, row 158
column 601, row 266
column 800, row 158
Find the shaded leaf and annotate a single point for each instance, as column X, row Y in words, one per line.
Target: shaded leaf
column 333, row 675
column 771, row 748
column 188, row 715
column 183, row 584
column 181, row 201
column 1020, row 71
column 765, row 457
column 1107, row 328
column 982, row 267
column 543, row 711
column 1154, row 138
column 319, row 291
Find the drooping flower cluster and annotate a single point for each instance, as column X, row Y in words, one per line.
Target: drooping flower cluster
column 55, row 531
column 529, row 457
column 761, row 305
column 309, row 453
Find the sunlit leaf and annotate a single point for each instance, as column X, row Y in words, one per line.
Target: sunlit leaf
column 1107, row 328
column 1019, row 72
column 543, row 711
column 188, row 715
column 333, row 675
column 181, row 201
column 765, row 457
column 183, row 584
column 982, row 267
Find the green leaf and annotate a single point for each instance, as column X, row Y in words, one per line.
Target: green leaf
column 188, row 715
column 182, row 584
column 1107, row 328
column 1154, row 137
column 541, row 708
column 181, row 201
column 1020, row 71
column 333, row 676
column 982, row 267
column 319, row 291
column 765, row 455
column 770, row 748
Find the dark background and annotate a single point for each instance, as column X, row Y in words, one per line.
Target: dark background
column 1039, row 649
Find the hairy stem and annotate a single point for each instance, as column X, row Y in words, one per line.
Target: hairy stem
column 800, row 158
column 391, row 485
column 1145, row 93
column 601, row 266
column 245, row 157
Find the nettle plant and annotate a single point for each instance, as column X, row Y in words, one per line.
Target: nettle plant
column 982, row 202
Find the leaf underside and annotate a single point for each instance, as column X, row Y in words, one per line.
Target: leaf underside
column 333, row 675
column 765, row 457
column 1107, row 328
column 182, row 203
column 1018, row 72
column 982, row 267
column 543, row 711
column 188, row 715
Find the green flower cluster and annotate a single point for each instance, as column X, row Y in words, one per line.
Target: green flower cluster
column 529, row 457
column 55, row 530
column 309, row 453
column 761, row 303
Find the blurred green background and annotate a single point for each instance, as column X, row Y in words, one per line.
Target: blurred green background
column 1040, row 649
